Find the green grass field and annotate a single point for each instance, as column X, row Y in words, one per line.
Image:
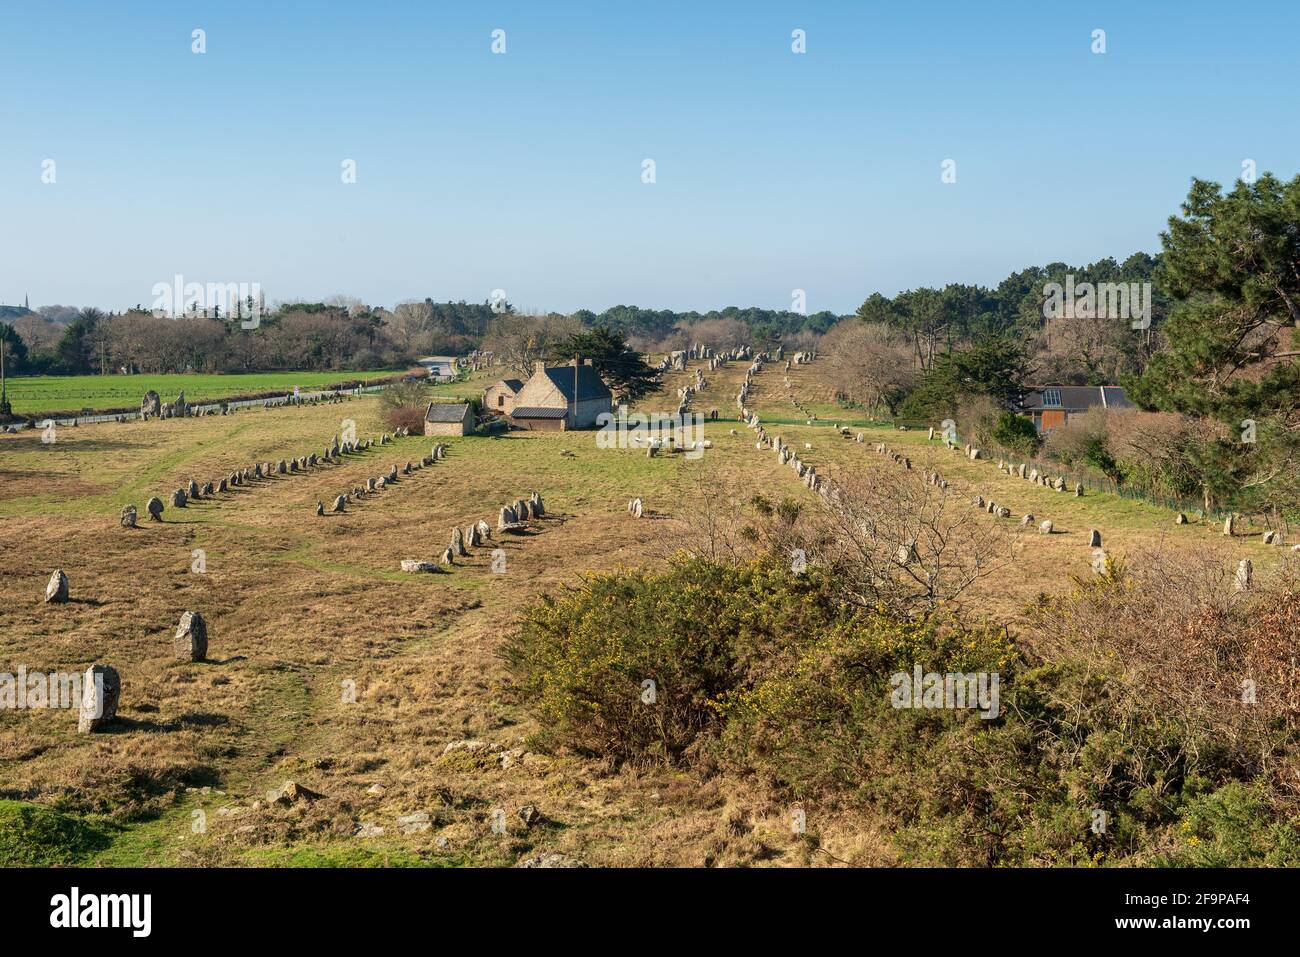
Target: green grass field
column 73, row 393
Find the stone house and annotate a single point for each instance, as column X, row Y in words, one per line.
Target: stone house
column 558, row 398
column 499, row 397
column 448, row 418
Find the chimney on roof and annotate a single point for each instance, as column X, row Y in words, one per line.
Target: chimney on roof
column 539, row 366
column 586, row 362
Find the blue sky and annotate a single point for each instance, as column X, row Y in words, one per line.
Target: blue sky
column 522, row 171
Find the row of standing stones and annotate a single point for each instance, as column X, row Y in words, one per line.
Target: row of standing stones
column 181, row 497
column 379, row 483
column 1245, row 568
column 152, row 406
column 102, row 688
column 102, row 685
column 512, row 518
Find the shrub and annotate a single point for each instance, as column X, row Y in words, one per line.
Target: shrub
column 694, row 630
column 1121, row 735
column 1234, row 827
column 822, row 721
column 1016, row 434
column 404, row 404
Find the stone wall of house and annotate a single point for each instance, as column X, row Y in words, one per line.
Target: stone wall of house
column 444, row 428
column 498, row 400
column 587, row 412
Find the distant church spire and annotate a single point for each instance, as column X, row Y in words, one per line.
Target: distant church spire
column 27, row 303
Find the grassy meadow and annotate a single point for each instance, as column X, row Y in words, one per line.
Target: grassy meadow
column 35, row 394
column 330, row 667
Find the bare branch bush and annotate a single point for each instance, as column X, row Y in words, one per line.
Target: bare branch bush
column 900, row 544
column 1190, row 650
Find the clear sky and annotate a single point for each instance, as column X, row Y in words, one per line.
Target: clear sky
column 523, row 171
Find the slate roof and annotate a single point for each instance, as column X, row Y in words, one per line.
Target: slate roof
column 514, row 385
column 1075, row 398
column 445, row 411
column 539, row 412
column 590, row 385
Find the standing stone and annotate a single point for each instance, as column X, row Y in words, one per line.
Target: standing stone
column 637, row 508
column 151, row 405
column 472, row 538
column 192, row 490
column 1229, row 525
column 155, row 509
column 1245, row 572
column 1046, row 527
column 282, row 467
column 129, row 516
column 101, row 691
column 320, row 507
column 338, row 504
column 457, row 547
column 370, row 485
column 56, row 590
column 1027, row 520
column 448, row 558
column 536, row 501
column 1180, row 519
column 1094, row 539
column 191, row 639
column 222, row 486
column 506, row 518
column 178, row 498
column 1269, row 537
column 484, row 530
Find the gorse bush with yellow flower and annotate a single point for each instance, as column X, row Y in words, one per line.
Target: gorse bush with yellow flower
column 1121, row 736
column 631, row 665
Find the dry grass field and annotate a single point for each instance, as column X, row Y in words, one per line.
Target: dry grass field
column 301, row 609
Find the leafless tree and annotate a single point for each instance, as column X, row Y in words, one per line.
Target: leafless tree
column 896, row 541
column 38, row 332
column 869, row 363
column 517, row 340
